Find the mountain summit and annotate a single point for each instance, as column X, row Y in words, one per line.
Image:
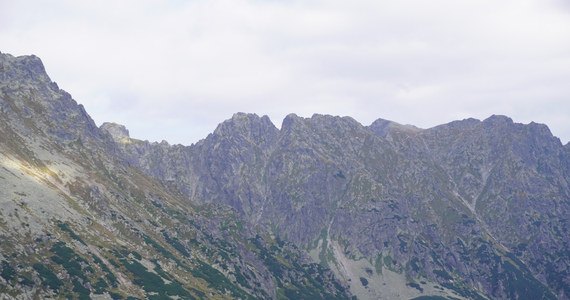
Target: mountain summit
column 322, row 208
column 78, row 221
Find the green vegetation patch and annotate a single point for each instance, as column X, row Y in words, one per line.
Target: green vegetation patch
column 442, row 274
column 175, row 242
column 217, row 280
column 48, row 277
column 100, row 286
column 8, row 273
column 159, row 248
column 415, row 286
column 69, row 260
column 81, row 290
column 65, row 227
column 153, row 283
column 378, row 264
column 241, row 279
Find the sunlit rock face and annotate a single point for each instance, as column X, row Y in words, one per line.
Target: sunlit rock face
column 471, row 209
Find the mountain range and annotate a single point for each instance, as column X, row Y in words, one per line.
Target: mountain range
column 320, row 208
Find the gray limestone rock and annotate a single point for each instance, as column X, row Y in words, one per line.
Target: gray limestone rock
column 470, row 209
column 77, row 220
column 118, row 132
column 449, row 204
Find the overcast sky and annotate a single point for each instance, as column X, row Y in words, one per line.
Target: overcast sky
column 173, row 70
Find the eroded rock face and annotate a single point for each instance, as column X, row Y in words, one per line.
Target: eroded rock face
column 469, row 209
column 515, row 177
column 476, row 206
column 33, row 102
column 78, row 221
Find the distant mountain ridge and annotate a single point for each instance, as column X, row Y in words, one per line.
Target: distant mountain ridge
column 470, row 209
column 487, row 186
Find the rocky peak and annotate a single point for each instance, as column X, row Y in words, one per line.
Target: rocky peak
column 249, row 126
column 291, row 121
column 383, row 128
column 22, row 69
column 542, row 130
column 31, row 99
column 118, row 132
column 337, row 121
column 66, row 185
column 319, row 122
column 498, row 120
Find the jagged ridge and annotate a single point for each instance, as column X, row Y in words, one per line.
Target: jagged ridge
column 77, row 221
column 402, row 198
column 474, row 209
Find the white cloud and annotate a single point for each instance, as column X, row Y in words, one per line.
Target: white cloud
column 174, row 69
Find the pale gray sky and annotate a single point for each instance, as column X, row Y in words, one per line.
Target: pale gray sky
column 175, row 69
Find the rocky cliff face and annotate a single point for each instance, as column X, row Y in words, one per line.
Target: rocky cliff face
column 77, row 222
column 470, row 209
column 515, row 179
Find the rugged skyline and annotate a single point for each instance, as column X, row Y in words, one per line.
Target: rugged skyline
column 320, row 208
column 77, row 222
column 186, row 65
